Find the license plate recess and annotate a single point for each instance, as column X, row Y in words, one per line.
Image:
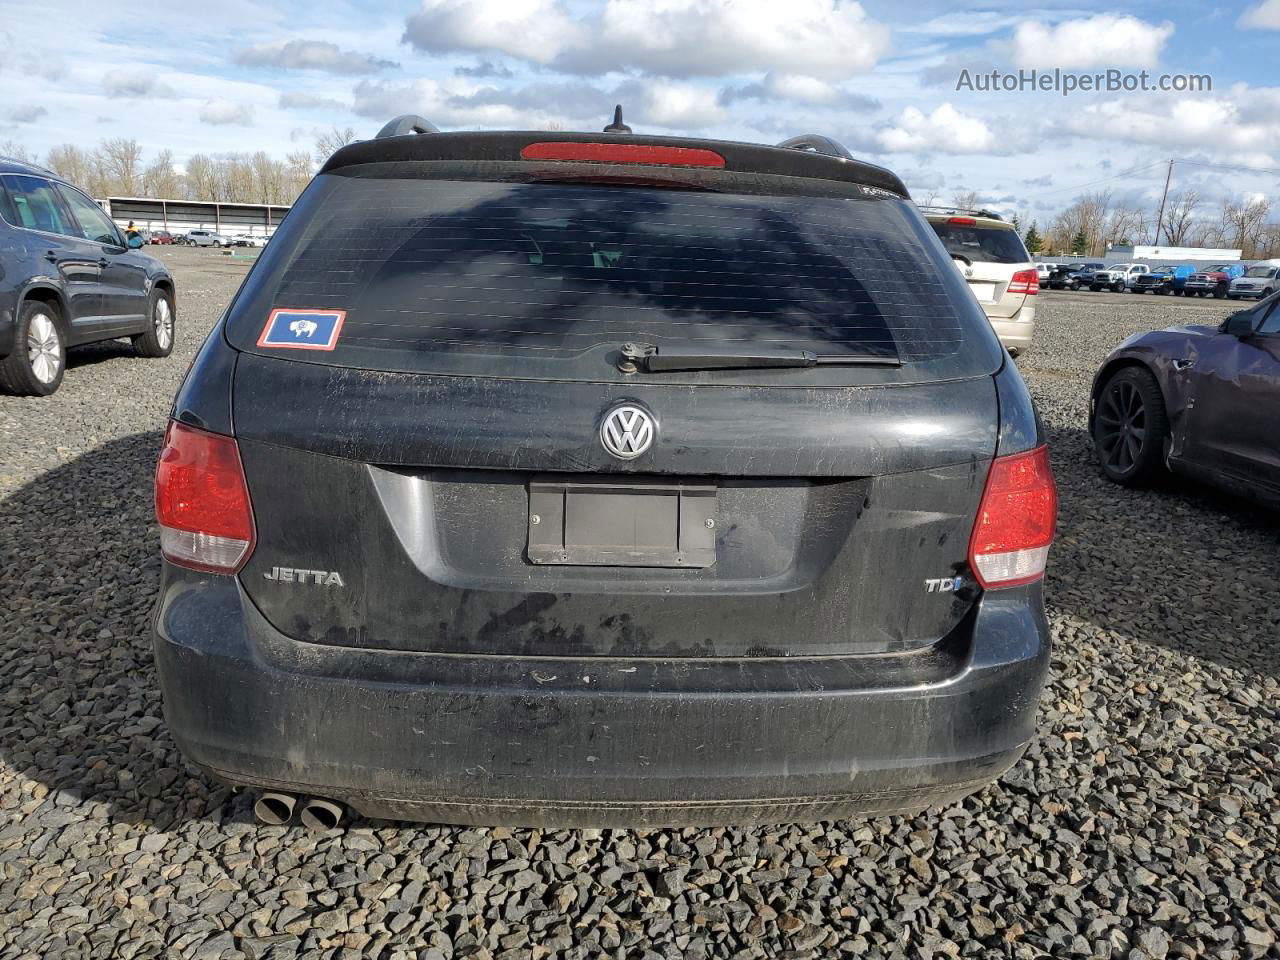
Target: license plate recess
column 624, row 524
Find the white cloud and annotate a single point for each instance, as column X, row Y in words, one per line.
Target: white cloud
column 828, row 39
column 219, row 112
column 311, row 55
column 28, row 114
column 573, row 105
column 129, row 83
column 1265, row 15
column 1106, row 40
column 535, row 30
column 794, row 86
column 1242, row 119
column 946, row 129
column 678, row 105
column 454, row 103
column 309, row 101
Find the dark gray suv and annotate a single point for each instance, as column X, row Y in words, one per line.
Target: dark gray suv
column 69, row 276
column 549, row 478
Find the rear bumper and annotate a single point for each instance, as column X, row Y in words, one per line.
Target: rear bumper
column 602, row 741
column 1015, row 332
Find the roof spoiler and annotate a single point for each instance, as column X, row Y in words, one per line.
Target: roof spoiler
column 406, row 124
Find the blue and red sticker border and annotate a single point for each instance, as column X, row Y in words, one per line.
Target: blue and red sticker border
column 298, row 328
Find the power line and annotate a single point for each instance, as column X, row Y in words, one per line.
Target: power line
column 1227, row 166
column 1090, row 183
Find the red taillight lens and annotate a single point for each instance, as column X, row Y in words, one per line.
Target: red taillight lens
column 1014, row 529
column 623, row 153
column 1025, row 281
column 202, row 501
column 963, row 221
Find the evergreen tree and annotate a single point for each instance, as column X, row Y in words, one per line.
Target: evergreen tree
column 1080, row 243
column 1033, row 240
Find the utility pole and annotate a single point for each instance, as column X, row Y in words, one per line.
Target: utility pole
column 1163, row 197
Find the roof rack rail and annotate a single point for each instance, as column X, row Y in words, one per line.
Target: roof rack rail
column 27, row 163
column 406, row 124
column 962, row 211
column 817, row 143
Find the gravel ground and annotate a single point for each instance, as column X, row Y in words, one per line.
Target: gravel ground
column 1142, row 824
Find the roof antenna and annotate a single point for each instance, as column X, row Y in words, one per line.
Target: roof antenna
column 617, row 126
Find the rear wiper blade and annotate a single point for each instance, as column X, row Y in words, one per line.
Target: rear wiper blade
column 652, row 359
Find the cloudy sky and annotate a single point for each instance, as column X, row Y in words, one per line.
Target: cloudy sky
column 879, row 75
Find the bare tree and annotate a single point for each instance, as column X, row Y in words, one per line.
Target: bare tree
column 121, row 164
column 966, row 200
column 1087, row 216
column 1242, row 223
column 161, row 179
column 237, row 177
column 329, row 141
column 203, row 181
column 1268, row 245
column 299, row 173
column 1125, row 224
column 16, row 151
column 270, row 179
column 75, row 164
column 1179, row 215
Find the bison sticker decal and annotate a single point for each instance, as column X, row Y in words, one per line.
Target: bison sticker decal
column 299, row 329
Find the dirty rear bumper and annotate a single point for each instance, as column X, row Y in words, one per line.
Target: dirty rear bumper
column 603, row 741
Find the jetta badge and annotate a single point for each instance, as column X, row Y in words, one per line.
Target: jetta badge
column 627, row 431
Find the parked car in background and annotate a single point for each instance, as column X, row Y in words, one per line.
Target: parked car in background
column 607, row 409
column 205, row 238
column 1197, row 400
column 998, row 269
column 1164, row 279
column 162, row 237
column 1215, row 281
column 1067, row 275
column 1116, row 277
column 1044, row 271
column 247, row 240
column 69, row 276
column 1260, row 280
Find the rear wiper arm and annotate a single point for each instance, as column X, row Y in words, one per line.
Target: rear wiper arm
column 651, row 359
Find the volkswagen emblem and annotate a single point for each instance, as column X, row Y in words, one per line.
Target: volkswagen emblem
column 627, row 431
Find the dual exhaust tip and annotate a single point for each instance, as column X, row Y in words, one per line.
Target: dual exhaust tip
column 276, row 809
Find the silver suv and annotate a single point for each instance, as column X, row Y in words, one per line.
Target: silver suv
column 203, row 238
column 997, row 267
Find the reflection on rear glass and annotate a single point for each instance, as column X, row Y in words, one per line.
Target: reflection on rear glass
column 467, row 267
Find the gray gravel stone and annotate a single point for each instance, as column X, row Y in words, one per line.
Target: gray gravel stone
column 1143, row 822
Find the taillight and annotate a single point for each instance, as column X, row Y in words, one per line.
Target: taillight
column 1014, row 529
column 1025, row 281
column 963, row 221
column 623, row 153
column 202, row 501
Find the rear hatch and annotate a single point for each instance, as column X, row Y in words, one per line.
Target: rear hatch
column 989, row 253
column 437, row 445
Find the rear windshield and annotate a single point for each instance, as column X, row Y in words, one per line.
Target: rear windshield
column 550, row 279
column 982, row 244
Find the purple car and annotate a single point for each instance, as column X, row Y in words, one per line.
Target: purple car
column 1198, row 401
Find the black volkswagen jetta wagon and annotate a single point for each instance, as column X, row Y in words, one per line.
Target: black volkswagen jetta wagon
column 567, row 479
